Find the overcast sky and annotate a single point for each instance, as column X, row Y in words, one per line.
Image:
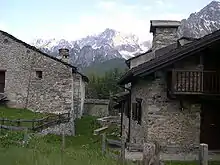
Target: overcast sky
column 73, row 19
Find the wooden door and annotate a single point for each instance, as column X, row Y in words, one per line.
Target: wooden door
column 210, row 125
column 2, row 81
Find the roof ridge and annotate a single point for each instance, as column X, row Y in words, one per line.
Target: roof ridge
column 36, row 49
column 173, row 54
column 45, row 54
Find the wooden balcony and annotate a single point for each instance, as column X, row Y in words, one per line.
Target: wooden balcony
column 195, row 82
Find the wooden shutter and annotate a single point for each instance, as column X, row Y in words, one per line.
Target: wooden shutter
column 139, row 113
column 134, row 111
column 2, row 81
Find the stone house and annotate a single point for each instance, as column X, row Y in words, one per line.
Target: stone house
column 174, row 94
column 34, row 80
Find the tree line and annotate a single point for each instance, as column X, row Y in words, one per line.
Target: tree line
column 104, row 86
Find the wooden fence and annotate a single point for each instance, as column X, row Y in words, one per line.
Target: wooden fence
column 34, row 124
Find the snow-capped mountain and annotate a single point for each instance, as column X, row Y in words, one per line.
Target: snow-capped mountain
column 126, row 44
column 113, row 44
column 96, row 48
column 201, row 23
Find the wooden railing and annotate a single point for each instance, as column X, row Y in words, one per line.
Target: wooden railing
column 34, row 124
column 195, row 82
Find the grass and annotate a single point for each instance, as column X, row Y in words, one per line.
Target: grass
column 13, row 113
column 83, row 149
column 113, row 132
column 189, row 163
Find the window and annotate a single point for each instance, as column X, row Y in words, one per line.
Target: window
column 39, row 74
column 134, row 111
column 125, row 108
column 137, row 111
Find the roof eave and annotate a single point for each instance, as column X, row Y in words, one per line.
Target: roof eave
column 178, row 54
column 125, row 78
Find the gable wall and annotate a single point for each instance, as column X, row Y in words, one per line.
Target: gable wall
column 78, row 94
column 166, row 123
column 52, row 93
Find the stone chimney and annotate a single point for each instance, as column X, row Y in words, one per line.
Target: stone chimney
column 164, row 33
column 64, row 54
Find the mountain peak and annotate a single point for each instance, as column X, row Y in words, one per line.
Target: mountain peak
column 96, row 48
column 109, row 30
column 203, row 22
column 213, row 3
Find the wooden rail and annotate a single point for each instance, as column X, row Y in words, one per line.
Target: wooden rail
column 195, row 82
column 34, row 124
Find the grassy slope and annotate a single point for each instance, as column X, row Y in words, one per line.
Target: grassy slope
column 84, row 149
column 189, row 163
column 12, row 113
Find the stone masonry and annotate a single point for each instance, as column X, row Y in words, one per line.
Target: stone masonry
column 166, row 122
column 164, row 33
column 173, row 123
column 38, row 82
column 97, row 107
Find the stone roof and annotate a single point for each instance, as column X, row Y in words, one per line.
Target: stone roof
column 129, row 60
column 170, row 57
column 39, row 51
column 97, row 101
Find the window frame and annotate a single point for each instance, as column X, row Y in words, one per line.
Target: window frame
column 39, row 74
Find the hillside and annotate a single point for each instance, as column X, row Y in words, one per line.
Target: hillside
column 101, row 68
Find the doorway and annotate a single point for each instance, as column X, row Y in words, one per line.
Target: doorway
column 2, row 81
column 210, row 124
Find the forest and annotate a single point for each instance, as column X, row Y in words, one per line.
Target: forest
column 104, row 86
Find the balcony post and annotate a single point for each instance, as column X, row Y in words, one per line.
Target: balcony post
column 174, row 83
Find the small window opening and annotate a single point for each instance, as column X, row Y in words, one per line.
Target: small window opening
column 39, row 74
column 5, row 41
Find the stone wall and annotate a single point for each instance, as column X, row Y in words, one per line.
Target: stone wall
column 166, row 123
column 96, row 107
column 82, row 95
column 164, row 37
column 53, row 93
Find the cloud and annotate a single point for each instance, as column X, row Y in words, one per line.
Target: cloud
column 159, row 2
column 106, row 4
column 147, row 8
column 120, row 16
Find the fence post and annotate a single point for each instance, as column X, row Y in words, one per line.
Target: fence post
column 32, row 124
column 103, row 143
column 123, row 149
column 25, row 141
column 62, row 146
column 18, row 123
column 63, row 140
column 203, row 154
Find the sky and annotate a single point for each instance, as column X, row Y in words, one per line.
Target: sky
column 74, row 19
